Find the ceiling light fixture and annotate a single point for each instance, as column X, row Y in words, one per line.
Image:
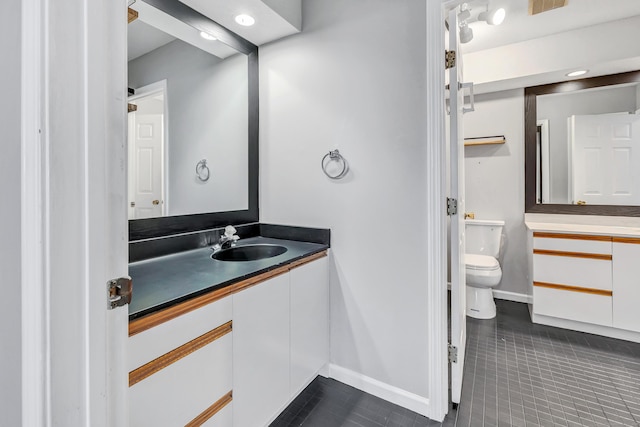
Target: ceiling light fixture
column 466, row 33
column 245, row 20
column 493, row 17
column 206, row 36
column 576, row 73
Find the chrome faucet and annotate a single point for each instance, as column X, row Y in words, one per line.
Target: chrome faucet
column 228, row 239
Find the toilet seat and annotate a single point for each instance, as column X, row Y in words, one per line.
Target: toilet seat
column 476, row 262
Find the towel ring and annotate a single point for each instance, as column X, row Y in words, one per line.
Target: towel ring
column 335, row 156
column 202, row 170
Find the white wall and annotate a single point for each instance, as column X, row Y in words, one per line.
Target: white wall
column 557, row 108
column 208, row 110
column 10, row 260
column 494, row 178
column 354, row 80
column 612, row 48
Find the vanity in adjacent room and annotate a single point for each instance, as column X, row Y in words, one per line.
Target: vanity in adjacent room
column 224, row 330
column 582, row 211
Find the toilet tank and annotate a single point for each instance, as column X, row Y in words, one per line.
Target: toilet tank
column 483, row 237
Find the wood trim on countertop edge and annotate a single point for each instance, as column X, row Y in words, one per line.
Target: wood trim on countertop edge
column 603, row 257
column 546, row 235
column 602, row 292
column 633, row 240
column 211, row 411
column 154, row 319
column 174, row 355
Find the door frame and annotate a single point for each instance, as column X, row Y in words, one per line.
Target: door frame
column 143, row 92
column 436, row 221
column 74, row 227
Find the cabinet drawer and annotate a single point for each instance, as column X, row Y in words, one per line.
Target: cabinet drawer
column 572, row 271
column 578, row 306
column 590, row 244
column 183, row 390
column 161, row 339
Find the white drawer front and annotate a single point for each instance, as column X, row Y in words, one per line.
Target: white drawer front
column 224, row 418
column 153, row 343
column 581, row 272
column 578, row 306
column 180, row 392
column 572, row 245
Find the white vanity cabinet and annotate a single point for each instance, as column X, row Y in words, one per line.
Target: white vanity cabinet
column 309, row 322
column 587, row 282
column 626, row 279
column 281, row 341
column 234, row 357
column 572, row 277
column 181, row 369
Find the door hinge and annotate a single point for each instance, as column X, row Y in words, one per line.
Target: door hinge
column 449, row 59
column 119, row 292
column 452, row 206
column 453, row 354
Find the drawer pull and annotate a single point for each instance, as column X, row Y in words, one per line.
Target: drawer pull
column 604, row 257
column 173, row 356
column 543, row 234
column 211, row 411
column 603, row 292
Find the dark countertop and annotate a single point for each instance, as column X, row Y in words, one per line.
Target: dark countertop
column 167, row 280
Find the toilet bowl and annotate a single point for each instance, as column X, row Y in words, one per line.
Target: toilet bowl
column 482, row 268
column 482, row 273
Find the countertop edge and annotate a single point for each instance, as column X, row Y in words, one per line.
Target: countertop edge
column 593, row 229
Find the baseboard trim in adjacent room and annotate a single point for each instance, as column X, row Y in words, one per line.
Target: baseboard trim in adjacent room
column 512, row 296
column 382, row 390
column 506, row 295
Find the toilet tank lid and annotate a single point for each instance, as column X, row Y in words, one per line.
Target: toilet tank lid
column 481, row 262
column 484, row 222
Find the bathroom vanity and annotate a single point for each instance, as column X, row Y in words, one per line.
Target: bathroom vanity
column 226, row 342
column 586, row 277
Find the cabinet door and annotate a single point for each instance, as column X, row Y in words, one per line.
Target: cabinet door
column 260, row 352
column 309, row 322
column 626, row 286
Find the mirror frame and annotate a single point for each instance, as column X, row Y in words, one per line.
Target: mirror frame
column 530, row 126
column 163, row 226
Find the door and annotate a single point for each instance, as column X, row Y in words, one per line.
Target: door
column 606, row 159
column 146, row 148
column 456, row 152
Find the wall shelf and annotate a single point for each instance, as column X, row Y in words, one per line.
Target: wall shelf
column 485, row 140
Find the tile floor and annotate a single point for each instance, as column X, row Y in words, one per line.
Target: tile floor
column 516, row 374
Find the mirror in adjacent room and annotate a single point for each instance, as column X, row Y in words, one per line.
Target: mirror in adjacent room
column 188, row 119
column 583, row 146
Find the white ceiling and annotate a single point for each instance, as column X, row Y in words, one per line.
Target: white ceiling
column 274, row 18
column 519, row 26
column 154, row 28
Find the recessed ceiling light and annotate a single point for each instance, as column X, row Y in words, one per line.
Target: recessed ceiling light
column 576, row 73
column 245, row 20
column 206, row 36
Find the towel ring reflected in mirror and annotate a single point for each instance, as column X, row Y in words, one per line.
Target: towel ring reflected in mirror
column 331, row 157
column 202, row 170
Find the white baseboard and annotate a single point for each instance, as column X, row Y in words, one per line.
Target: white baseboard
column 506, row 295
column 512, row 296
column 606, row 331
column 382, row 390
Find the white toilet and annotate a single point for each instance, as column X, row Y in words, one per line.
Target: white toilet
column 482, row 268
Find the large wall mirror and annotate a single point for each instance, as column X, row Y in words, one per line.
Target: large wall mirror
column 582, row 146
column 193, row 122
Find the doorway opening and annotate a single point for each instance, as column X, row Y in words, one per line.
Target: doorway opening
column 147, row 141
